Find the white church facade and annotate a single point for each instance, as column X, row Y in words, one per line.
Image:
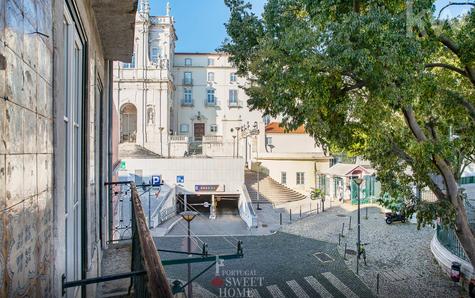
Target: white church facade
column 182, row 105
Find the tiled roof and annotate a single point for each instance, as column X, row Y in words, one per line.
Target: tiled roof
column 274, row 127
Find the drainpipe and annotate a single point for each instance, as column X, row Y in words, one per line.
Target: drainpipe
column 109, row 141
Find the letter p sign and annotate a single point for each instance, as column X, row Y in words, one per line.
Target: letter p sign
column 156, row 180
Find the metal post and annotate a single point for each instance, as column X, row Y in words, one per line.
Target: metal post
column 366, row 217
column 339, row 238
column 377, row 283
column 359, row 234
column 300, row 211
column 149, row 217
column 281, row 218
column 190, row 289
column 349, row 226
column 317, row 207
column 258, row 189
column 344, row 254
column 290, row 215
column 342, row 229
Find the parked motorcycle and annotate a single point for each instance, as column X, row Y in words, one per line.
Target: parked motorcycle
column 394, row 216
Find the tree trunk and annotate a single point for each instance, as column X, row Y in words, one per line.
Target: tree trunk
column 463, row 231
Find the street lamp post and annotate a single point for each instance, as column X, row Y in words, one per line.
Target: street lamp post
column 358, row 181
column 189, row 216
column 237, row 143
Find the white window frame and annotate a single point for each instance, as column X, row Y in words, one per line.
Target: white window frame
column 154, row 54
column 300, row 178
column 184, row 128
column 283, row 178
column 210, row 97
column 213, row 128
column 233, row 97
column 188, row 77
column 233, row 77
column 188, row 96
column 74, row 62
column 210, row 61
column 210, row 76
column 268, row 141
column 188, row 62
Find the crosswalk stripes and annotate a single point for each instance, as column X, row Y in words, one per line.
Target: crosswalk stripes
column 297, row 289
column 254, row 293
column 306, row 289
column 275, row 291
column 339, row 285
column 313, row 282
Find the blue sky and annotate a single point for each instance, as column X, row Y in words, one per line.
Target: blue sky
column 200, row 23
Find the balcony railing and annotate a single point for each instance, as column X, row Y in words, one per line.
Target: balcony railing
column 212, row 139
column 187, row 103
column 145, row 255
column 128, row 222
column 235, row 104
column 188, row 82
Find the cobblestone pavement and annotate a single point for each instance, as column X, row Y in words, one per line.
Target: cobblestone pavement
column 278, row 265
column 399, row 252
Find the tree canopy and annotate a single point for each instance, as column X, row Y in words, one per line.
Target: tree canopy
column 385, row 80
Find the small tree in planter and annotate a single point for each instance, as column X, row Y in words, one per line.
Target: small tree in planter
column 316, row 194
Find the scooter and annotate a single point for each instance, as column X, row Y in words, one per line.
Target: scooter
column 393, row 216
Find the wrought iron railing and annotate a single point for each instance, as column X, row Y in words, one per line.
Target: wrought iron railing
column 450, row 241
column 147, row 275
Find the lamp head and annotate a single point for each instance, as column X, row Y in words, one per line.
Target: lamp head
column 358, row 181
column 188, row 215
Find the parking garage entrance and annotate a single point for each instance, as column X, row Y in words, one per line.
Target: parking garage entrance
column 210, row 204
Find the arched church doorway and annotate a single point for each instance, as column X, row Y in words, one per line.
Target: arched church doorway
column 128, row 123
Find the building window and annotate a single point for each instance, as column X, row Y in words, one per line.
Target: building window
column 187, row 78
column 211, row 100
column 300, row 178
column 188, row 62
column 283, row 178
column 210, row 61
column 210, row 76
column 266, row 119
column 233, row 97
column 233, row 77
column 188, row 99
column 184, row 128
column 154, row 54
column 131, row 64
column 213, row 128
column 268, row 141
column 72, row 140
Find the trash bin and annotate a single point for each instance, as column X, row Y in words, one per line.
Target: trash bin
column 455, row 271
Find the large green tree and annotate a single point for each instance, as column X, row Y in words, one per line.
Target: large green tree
column 385, row 80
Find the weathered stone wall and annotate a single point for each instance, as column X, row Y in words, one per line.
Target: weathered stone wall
column 26, row 150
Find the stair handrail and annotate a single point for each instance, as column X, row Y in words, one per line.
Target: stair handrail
column 157, row 213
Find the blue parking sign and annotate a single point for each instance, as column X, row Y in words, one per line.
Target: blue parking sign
column 156, row 180
column 180, row 179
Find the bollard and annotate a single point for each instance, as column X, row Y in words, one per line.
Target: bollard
column 317, row 207
column 310, row 210
column 290, row 215
column 344, row 254
column 281, row 218
column 339, row 238
column 377, row 283
column 342, row 230
column 366, row 213
column 300, row 211
column 349, row 226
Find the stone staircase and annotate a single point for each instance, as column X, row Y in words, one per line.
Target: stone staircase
column 271, row 192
